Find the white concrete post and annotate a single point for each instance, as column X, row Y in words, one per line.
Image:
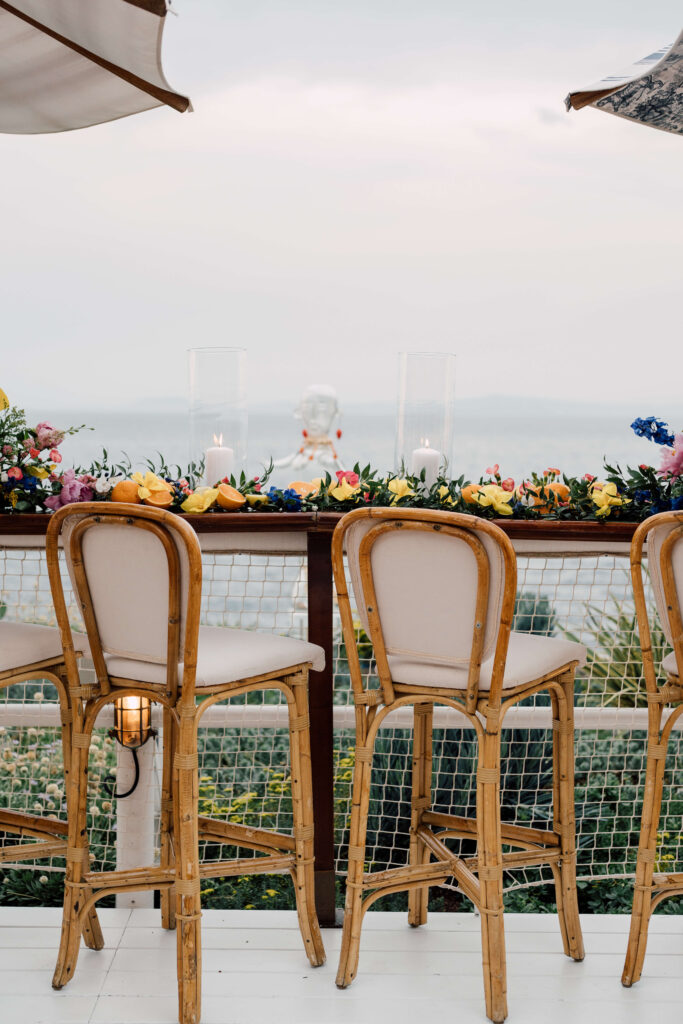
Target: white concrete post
column 135, row 818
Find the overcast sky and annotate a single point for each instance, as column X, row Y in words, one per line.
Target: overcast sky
column 357, row 178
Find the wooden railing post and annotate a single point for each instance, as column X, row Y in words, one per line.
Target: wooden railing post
column 322, row 737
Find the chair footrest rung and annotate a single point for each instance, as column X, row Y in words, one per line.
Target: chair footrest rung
column 33, row 851
column 22, row 824
column 466, row 828
column 231, row 833
column 522, row 859
column 663, row 880
column 135, row 876
column 272, row 864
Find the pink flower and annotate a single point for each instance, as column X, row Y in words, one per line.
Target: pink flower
column 7, row 449
column 55, row 456
column 47, row 436
column 348, row 475
column 588, row 477
column 74, row 489
column 672, row 458
column 34, row 452
column 492, row 470
column 15, row 473
column 508, row 485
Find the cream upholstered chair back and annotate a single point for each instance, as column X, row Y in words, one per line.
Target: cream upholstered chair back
column 664, row 533
column 430, row 587
column 137, row 574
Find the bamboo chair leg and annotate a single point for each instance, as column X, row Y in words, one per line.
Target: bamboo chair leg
column 167, row 858
column 421, row 800
column 353, row 910
column 647, row 850
column 302, row 811
column 564, row 818
column 489, row 853
column 188, row 882
column 75, row 892
column 92, row 931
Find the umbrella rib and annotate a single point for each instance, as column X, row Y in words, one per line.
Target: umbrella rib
column 578, row 100
column 171, row 99
column 153, row 6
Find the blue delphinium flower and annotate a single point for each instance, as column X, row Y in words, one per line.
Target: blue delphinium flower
column 653, row 429
column 289, row 498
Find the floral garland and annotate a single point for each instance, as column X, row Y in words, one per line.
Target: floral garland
column 31, row 480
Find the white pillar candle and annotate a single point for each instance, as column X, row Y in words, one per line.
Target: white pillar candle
column 428, row 459
column 219, row 462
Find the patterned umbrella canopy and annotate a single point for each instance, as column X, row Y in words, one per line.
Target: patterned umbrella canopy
column 67, row 64
column 649, row 92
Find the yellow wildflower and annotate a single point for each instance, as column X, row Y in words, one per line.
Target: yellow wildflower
column 149, row 484
column 4, row 400
column 607, row 497
column 493, row 496
column 445, row 495
column 202, row 499
column 40, row 472
column 400, row 488
column 342, row 490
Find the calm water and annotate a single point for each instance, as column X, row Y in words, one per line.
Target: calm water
column 574, row 442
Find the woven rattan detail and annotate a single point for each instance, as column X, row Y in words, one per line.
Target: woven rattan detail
column 186, row 762
column 188, row 886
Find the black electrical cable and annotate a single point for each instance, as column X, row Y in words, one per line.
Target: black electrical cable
column 111, row 790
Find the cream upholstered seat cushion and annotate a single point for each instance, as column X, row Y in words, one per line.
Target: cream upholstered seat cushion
column 22, row 643
column 669, row 664
column 529, row 657
column 227, row 655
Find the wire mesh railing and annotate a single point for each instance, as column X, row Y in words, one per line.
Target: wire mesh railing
column 244, row 767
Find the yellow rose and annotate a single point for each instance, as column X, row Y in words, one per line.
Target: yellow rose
column 400, row 488
column 606, row 497
column 201, row 500
column 342, row 491
column 149, row 484
column 445, row 495
column 4, row 400
column 493, row 496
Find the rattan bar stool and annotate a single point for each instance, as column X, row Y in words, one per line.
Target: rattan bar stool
column 664, row 536
column 435, row 591
column 29, row 653
column 137, row 573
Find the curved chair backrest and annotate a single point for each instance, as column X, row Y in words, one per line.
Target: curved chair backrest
column 433, row 586
column 136, row 572
column 664, row 535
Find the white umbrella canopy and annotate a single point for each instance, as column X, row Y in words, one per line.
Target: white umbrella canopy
column 650, row 92
column 67, row 64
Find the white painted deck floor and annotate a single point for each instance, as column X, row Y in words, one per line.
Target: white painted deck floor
column 255, row 972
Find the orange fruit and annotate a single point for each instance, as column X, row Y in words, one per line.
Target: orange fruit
column 229, row 498
column 159, row 499
column 125, row 490
column 469, row 492
column 303, row 488
column 554, row 493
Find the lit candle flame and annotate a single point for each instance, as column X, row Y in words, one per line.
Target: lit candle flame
column 218, row 440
